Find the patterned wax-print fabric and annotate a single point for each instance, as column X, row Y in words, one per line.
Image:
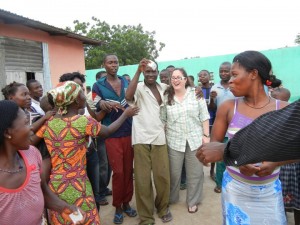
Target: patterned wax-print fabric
column 64, row 94
column 66, row 140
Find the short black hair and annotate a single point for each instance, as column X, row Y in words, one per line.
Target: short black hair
column 99, row 74
column 192, row 77
column 170, row 66
column 11, row 89
column 31, row 81
column 105, row 56
column 72, row 76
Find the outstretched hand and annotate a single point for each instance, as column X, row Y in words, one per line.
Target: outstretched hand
column 49, row 114
column 131, row 111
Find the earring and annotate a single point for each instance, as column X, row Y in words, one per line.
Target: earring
column 9, row 137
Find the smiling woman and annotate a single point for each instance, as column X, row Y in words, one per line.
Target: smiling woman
column 18, row 93
column 23, row 187
column 253, row 188
column 186, row 120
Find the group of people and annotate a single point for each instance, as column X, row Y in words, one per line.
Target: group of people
column 153, row 130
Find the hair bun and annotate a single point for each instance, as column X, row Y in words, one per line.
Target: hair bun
column 273, row 82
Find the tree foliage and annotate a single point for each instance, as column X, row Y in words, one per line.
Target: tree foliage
column 297, row 40
column 129, row 43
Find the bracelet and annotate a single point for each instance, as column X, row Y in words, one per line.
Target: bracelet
column 208, row 136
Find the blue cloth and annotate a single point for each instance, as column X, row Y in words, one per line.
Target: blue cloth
column 247, row 204
column 103, row 89
column 212, row 113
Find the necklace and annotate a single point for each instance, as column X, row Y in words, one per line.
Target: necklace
column 14, row 171
column 258, row 107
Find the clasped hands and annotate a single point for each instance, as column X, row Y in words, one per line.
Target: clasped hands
column 213, row 152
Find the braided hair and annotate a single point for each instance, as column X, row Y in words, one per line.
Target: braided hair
column 9, row 112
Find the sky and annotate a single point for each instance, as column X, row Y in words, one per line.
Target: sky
column 189, row 28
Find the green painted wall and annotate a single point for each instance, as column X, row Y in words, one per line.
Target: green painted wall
column 285, row 61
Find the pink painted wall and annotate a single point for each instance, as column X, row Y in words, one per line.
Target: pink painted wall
column 65, row 54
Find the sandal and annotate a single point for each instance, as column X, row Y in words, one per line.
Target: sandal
column 193, row 209
column 118, row 219
column 130, row 212
column 103, row 202
column 167, row 218
column 217, row 190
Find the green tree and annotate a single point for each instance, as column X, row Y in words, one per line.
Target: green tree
column 297, row 40
column 129, row 43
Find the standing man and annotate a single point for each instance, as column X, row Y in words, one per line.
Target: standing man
column 164, row 76
column 204, row 78
column 191, row 80
column 127, row 77
column 100, row 74
column 220, row 92
column 149, row 144
column 36, row 92
column 170, row 68
column 111, row 88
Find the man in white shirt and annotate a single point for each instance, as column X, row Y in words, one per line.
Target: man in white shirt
column 36, row 92
column 149, row 144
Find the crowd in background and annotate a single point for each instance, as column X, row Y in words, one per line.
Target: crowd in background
column 60, row 150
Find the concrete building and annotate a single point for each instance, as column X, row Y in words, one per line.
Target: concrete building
column 31, row 49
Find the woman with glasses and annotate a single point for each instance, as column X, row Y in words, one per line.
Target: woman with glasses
column 187, row 126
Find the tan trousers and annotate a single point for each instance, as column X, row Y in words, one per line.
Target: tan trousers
column 153, row 158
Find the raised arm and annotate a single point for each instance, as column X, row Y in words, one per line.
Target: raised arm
column 133, row 83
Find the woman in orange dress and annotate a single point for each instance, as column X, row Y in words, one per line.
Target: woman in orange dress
column 66, row 136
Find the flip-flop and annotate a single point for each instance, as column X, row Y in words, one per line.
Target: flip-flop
column 167, row 218
column 192, row 211
column 130, row 212
column 103, row 202
column 118, row 219
column 217, row 190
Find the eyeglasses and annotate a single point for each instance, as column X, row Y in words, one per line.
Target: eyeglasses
column 178, row 78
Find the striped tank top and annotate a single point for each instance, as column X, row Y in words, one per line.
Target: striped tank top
column 238, row 122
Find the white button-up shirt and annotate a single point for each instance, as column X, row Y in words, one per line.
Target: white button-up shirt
column 184, row 121
column 147, row 128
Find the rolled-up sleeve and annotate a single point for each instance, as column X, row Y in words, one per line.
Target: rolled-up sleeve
column 204, row 114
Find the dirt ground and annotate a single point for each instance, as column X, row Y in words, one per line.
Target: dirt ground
column 209, row 212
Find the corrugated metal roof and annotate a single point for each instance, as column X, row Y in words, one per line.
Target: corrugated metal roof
column 11, row 18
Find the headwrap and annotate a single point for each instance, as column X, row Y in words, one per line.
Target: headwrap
column 64, row 94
